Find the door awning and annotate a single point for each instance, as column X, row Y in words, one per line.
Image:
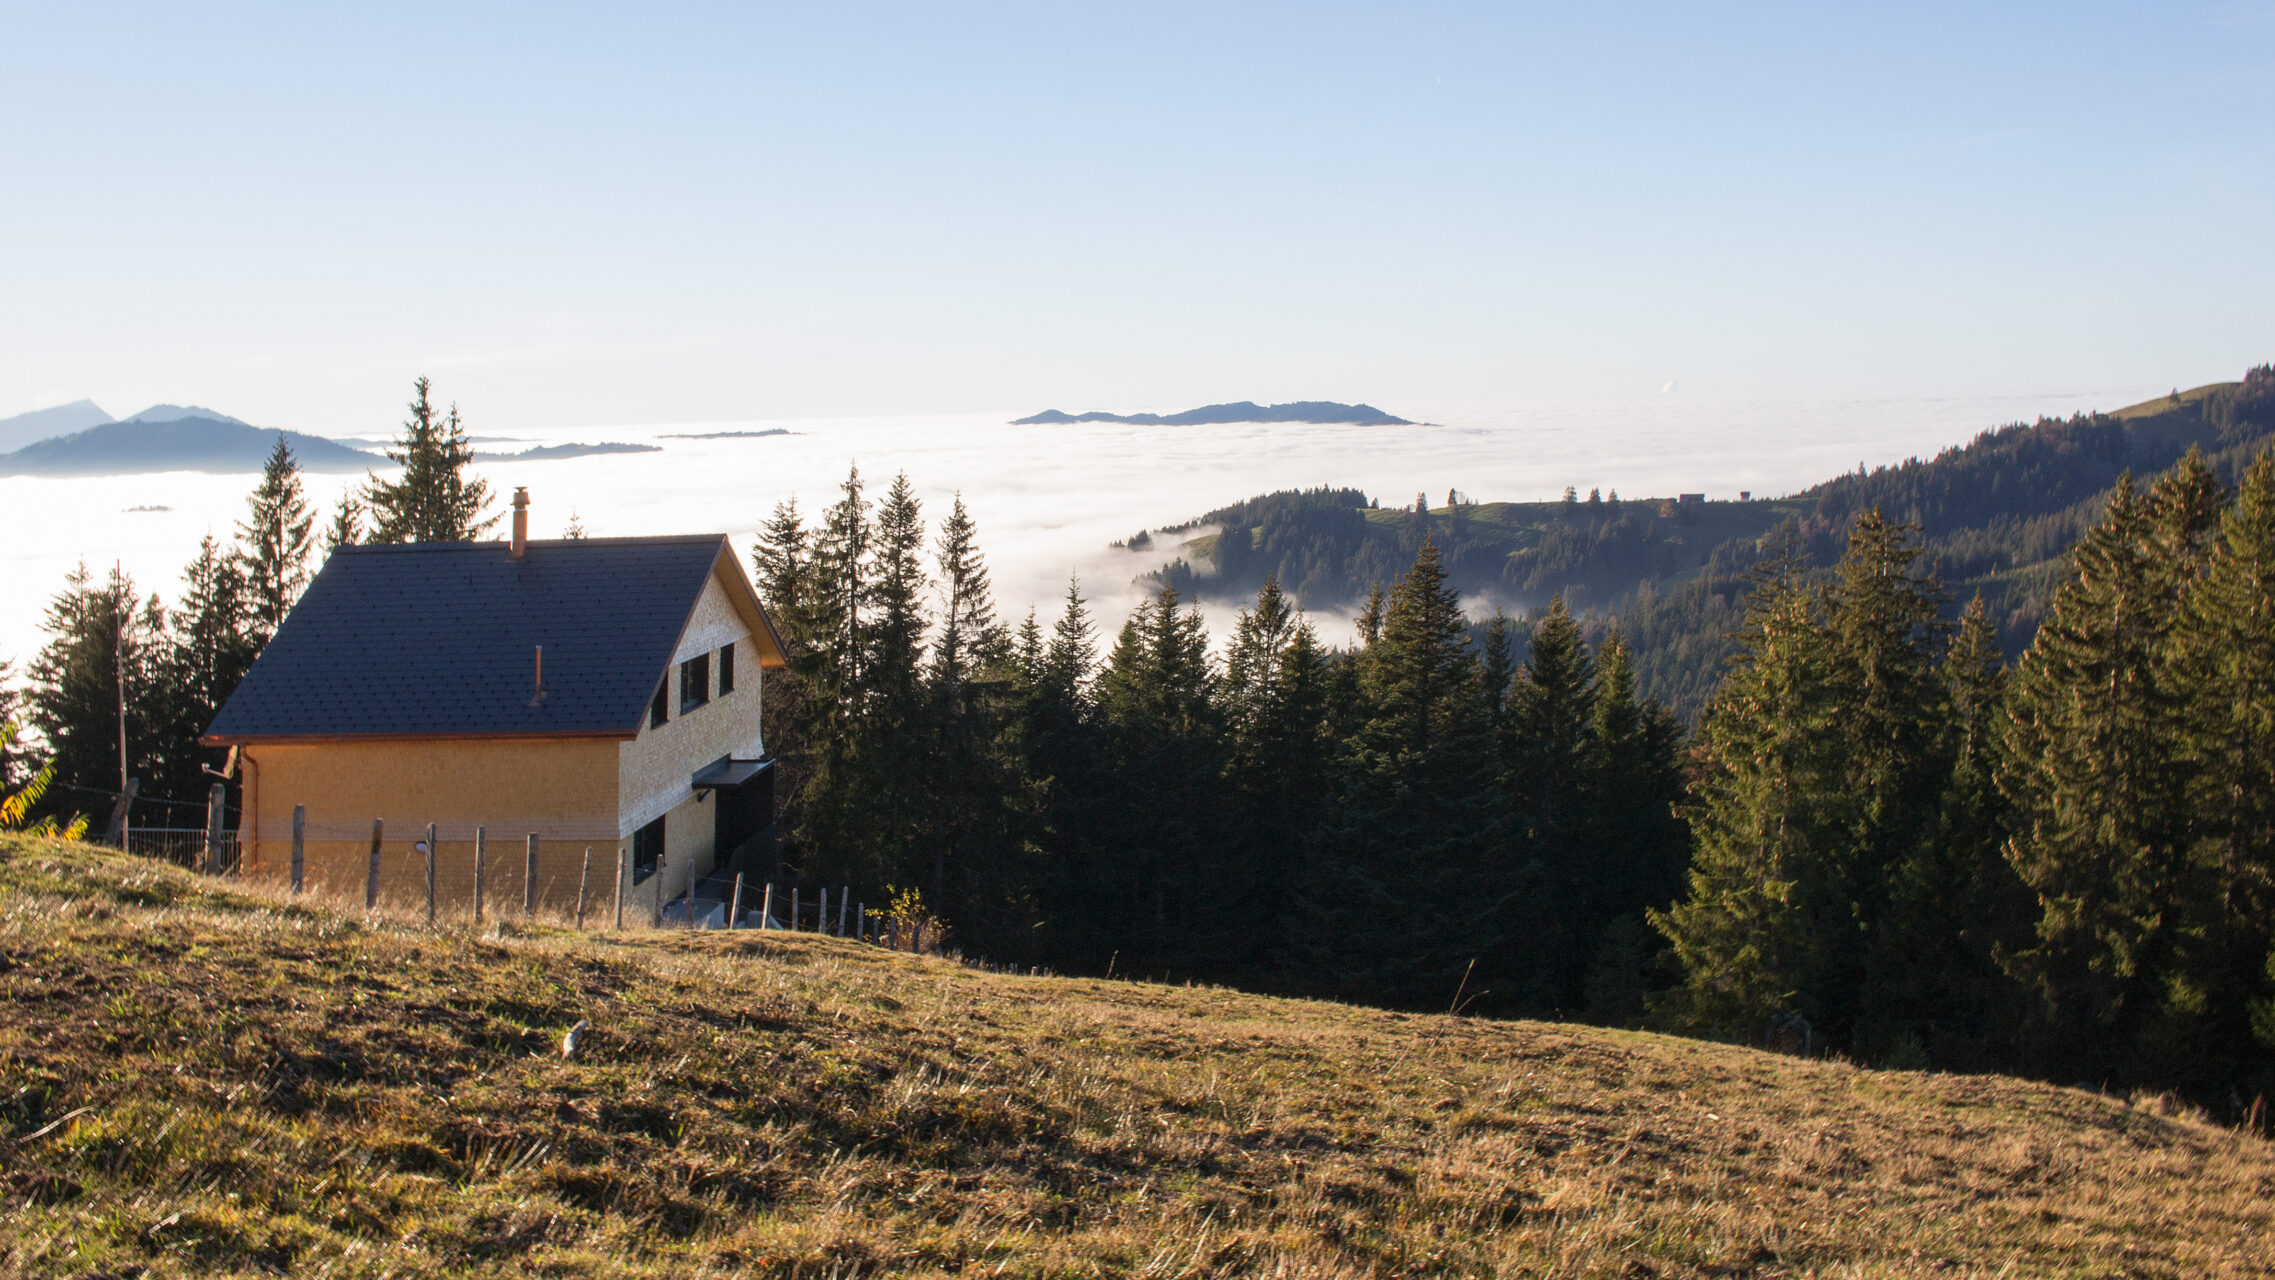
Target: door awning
column 726, row 771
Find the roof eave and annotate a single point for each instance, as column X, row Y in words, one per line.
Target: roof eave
column 471, row 735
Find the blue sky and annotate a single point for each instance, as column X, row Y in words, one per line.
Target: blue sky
column 645, row 213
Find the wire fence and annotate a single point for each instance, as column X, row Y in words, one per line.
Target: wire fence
column 185, row 847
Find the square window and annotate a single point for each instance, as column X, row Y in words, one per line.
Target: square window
column 726, row 669
column 694, row 682
column 647, row 850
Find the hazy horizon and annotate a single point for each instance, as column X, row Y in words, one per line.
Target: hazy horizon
column 715, row 212
column 1050, row 499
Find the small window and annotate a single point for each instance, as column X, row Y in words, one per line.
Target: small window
column 694, row 682
column 726, row 669
column 647, row 850
column 660, row 710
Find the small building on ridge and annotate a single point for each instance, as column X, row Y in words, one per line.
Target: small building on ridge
column 599, row 693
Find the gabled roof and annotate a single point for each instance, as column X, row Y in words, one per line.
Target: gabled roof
column 439, row 639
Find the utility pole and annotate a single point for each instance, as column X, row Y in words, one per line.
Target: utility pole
column 118, row 663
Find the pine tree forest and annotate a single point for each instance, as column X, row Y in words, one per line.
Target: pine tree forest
column 1883, row 837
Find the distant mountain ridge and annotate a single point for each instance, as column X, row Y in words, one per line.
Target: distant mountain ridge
column 39, row 424
column 181, row 412
column 1318, row 411
column 207, row 442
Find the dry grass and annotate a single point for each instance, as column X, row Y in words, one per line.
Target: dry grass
column 196, row 1079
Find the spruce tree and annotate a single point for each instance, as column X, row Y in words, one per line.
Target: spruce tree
column 433, row 500
column 103, row 640
column 1938, row 995
column 1756, row 936
column 1165, row 832
column 2103, row 827
column 828, row 813
column 215, row 638
column 1551, row 758
column 970, row 640
column 1277, row 767
column 346, row 528
column 2225, row 658
column 1634, row 835
column 1410, row 884
column 1069, row 660
column 897, row 618
column 273, row 544
column 1885, row 625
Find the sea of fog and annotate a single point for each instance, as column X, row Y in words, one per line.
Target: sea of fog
column 1049, row 500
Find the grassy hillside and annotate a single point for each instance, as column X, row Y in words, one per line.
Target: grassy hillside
column 203, row 1080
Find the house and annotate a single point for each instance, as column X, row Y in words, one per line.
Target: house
column 597, row 693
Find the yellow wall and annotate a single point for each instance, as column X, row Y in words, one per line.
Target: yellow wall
column 564, row 790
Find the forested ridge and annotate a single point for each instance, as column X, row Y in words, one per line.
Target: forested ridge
column 1890, row 834
column 1996, row 516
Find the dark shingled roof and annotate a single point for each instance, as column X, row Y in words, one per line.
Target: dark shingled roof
column 439, row 638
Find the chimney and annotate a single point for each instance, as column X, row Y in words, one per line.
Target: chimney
column 520, row 523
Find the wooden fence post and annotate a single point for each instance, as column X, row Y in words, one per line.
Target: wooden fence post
column 821, row 913
column 430, row 873
column 766, row 908
column 481, row 868
column 845, row 896
column 584, row 879
column 216, row 796
column 620, row 873
column 861, row 923
column 115, row 833
column 735, row 903
column 793, row 906
column 529, row 881
column 299, row 845
column 371, row 877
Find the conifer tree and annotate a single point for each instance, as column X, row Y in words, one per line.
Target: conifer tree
column 1408, row 887
column 970, row 640
column 1060, row 756
column 1163, row 755
column 1634, row 834
column 433, row 500
column 1885, row 625
column 214, row 641
column 1552, row 758
column 897, row 617
column 1756, row 936
column 779, row 563
column 828, row 668
column 1068, row 662
column 273, row 544
column 1938, row 995
column 1277, row 766
column 2103, row 827
column 103, row 636
column 1027, row 650
column 1499, row 673
column 346, row 528
column 2225, row 659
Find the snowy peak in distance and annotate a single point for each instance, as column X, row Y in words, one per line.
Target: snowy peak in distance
column 39, row 424
column 181, row 412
